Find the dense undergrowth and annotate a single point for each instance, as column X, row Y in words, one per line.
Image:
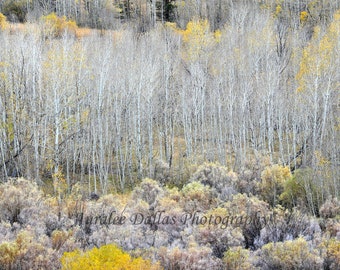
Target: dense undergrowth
column 206, row 224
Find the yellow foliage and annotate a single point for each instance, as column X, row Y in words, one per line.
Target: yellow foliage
column 64, row 62
column 197, row 38
column 321, row 159
column 57, row 26
column 291, row 254
column 3, row 22
column 237, row 258
column 24, row 240
column 273, row 181
column 11, row 253
column 8, row 253
column 303, row 16
column 106, row 257
column 218, row 212
column 170, row 25
column 59, row 182
column 196, row 190
column 276, row 173
column 318, row 56
column 278, row 10
column 332, row 250
column 217, row 35
column 169, row 203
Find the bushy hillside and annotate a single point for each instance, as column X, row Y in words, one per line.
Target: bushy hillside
column 170, row 228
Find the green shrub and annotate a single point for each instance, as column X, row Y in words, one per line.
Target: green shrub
column 272, row 183
column 302, row 190
column 293, row 193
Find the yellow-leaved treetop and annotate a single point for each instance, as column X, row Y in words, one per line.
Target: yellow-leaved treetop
column 3, row 22
column 303, row 16
column 278, row 10
column 57, row 26
column 106, row 257
column 198, row 39
column 318, row 56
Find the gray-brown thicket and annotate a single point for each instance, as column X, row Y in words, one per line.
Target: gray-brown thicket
column 169, row 225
